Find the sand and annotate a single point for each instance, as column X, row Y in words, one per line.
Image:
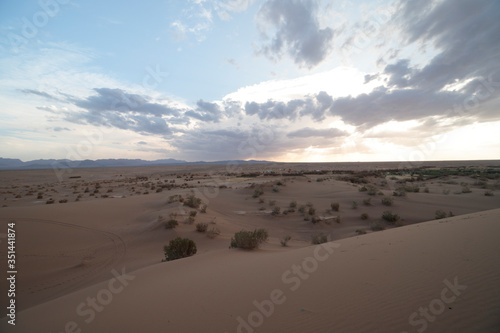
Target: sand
column 95, row 265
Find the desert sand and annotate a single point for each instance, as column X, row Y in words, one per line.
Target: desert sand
column 91, row 261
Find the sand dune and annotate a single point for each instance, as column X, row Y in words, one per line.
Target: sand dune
column 93, row 263
column 370, row 283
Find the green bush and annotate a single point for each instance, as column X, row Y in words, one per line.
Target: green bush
column 293, row 204
column 193, row 213
column 390, row 217
column 354, row 205
column 201, row 227
column 179, row 248
column 335, row 206
column 276, row 211
column 171, row 224
column 249, row 239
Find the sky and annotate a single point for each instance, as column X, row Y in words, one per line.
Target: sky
column 280, row 80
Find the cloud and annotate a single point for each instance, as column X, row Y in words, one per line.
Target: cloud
column 308, row 132
column 118, row 100
column 123, row 110
column 466, row 35
column 296, row 32
column 40, row 93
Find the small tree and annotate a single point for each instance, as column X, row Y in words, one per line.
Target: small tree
column 179, row 248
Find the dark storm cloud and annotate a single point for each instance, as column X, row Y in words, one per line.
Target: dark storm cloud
column 296, row 31
column 466, row 34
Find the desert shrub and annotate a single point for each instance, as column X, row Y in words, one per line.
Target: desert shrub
column 276, row 210
column 338, row 219
column 312, row 210
column 367, row 201
column 362, row 189
column 63, row 201
column 319, row 238
column 411, row 188
column 203, row 208
column 171, row 224
column 213, row 232
column 249, row 239
column 440, row 214
column 179, row 248
column 193, row 213
column 466, row 189
column 446, row 191
column 293, row 204
column 426, row 190
column 261, row 200
column 50, row 201
column 192, row 201
column 174, row 198
column 201, row 227
column 285, row 240
column 275, row 189
column 272, row 203
column 372, row 190
column 302, row 209
column 257, row 193
column 315, row 219
column 390, row 217
column 488, row 193
column 387, row 201
column 354, row 205
column 189, row 220
column 364, row 216
column 159, row 189
column 360, row 231
column 400, row 192
column 335, row 206
column 377, row 226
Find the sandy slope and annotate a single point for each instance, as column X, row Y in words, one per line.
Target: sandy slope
column 373, row 283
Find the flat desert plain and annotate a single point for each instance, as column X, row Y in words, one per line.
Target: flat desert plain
column 396, row 249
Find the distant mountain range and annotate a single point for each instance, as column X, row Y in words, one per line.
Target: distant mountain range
column 16, row 164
